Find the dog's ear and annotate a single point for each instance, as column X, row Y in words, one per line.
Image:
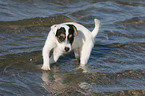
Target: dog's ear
column 75, row 29
column 72, row 27
column 53, row 29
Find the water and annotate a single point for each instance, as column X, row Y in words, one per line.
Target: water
column 116, row 65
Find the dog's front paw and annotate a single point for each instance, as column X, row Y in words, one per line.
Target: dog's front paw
column 45, row 67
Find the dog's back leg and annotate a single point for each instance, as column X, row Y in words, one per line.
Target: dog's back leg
column 85, row 53
column 77, row 53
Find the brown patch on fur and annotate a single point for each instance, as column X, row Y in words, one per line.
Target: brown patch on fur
column 75, row 30
column 70, row 36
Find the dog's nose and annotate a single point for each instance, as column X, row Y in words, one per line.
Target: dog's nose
column 66, row 49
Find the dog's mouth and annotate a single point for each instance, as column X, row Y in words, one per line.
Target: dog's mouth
column 66, row 52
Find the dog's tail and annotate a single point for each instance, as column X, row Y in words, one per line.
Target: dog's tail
column 96, row 29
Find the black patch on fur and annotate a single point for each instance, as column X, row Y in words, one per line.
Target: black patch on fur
column 61, row 34
column 70, row 36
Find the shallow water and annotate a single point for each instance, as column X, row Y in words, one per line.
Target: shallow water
column 116, row 65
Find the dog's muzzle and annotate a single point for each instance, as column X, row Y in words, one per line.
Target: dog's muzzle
column 66, row 49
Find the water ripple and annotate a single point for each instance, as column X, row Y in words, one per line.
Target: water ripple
column 116, row 65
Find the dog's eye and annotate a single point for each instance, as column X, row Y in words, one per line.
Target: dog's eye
column 62, row 35
column 61, row 38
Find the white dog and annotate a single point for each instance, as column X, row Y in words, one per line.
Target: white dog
column 64, row 37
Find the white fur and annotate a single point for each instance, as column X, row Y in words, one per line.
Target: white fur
column 82, row 45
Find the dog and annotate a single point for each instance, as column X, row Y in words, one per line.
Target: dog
column 65, row 37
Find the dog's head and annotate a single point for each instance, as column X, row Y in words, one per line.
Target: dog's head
column 64, row 34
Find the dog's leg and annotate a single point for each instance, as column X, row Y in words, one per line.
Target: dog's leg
column 77, row 53
column 85, row 53
column 46, row 53
column 56, row 54
column 52, row 60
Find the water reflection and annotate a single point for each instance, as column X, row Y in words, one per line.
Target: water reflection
column 61, row 83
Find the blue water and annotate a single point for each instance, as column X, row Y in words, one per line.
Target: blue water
column 116, row 65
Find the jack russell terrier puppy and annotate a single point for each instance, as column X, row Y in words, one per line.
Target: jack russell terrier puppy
column 65, row 37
